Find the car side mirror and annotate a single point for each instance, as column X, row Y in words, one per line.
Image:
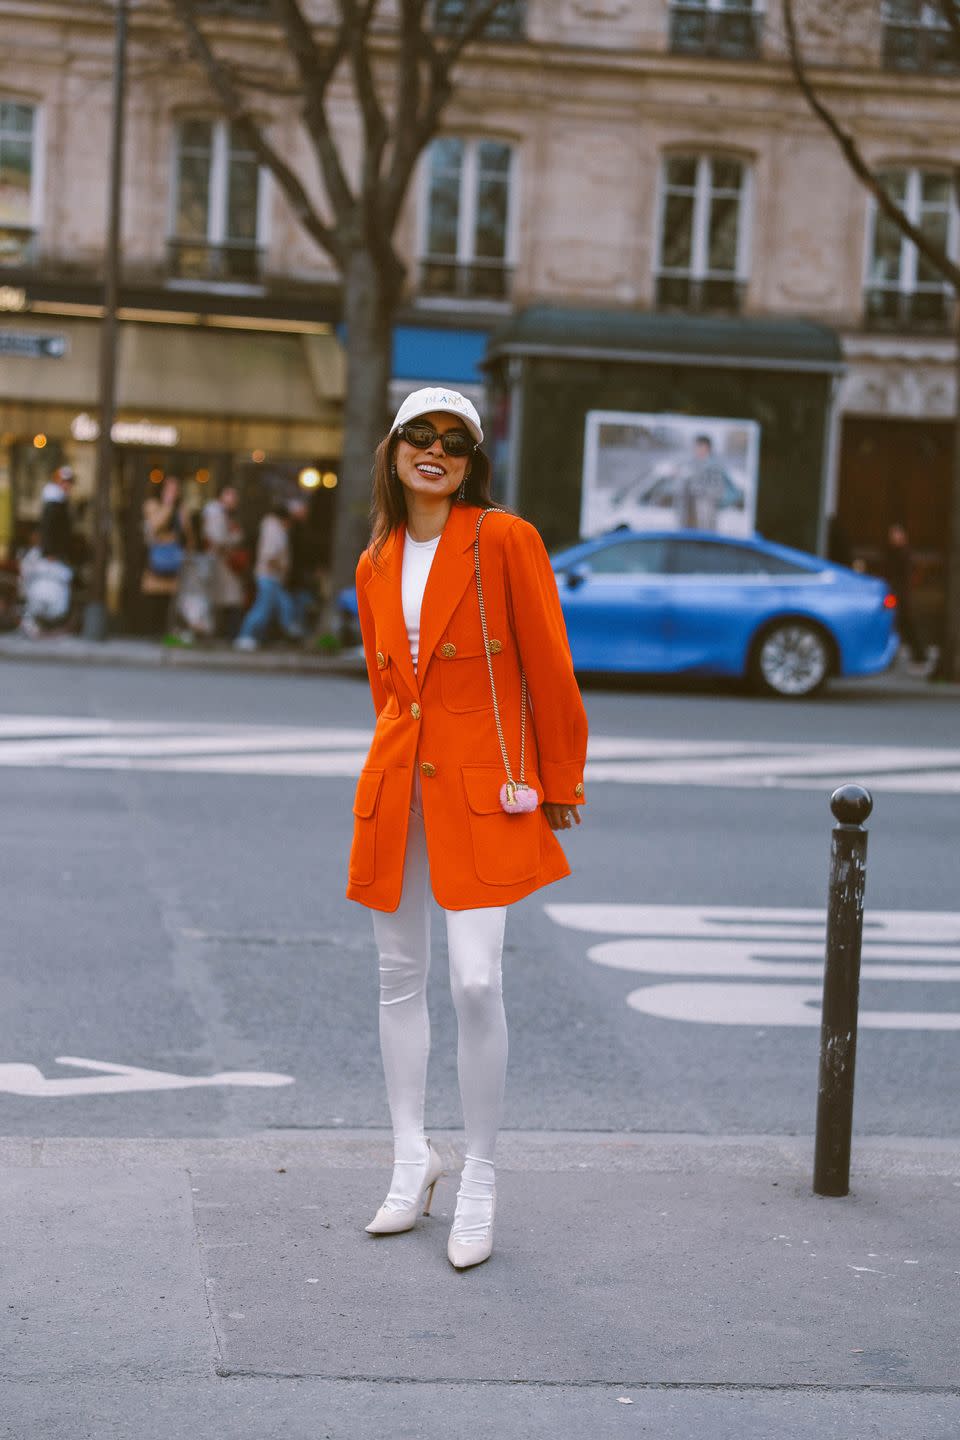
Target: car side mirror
column 576, row 574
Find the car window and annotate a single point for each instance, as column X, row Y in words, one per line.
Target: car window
column 708, row 557
column 628, row 557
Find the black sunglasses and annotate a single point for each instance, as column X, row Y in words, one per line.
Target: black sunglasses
column 420, row 434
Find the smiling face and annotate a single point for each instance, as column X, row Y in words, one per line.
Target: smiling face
column 432, row 472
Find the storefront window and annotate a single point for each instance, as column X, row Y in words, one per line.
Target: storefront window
column 702, row 252
column 904, row 290
column 17, row 163
column 216, row 204
column 466, row 244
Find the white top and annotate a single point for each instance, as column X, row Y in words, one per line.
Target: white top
column 417, row 559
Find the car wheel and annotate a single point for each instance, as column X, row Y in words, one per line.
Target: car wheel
column 792, row 659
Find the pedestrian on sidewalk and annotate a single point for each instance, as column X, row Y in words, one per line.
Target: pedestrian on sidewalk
column 230, row 564
column 165, row 524
column 898, row 573
column 272, row 601
column 463, row 785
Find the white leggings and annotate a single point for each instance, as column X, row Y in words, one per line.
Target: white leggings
column 475, row 945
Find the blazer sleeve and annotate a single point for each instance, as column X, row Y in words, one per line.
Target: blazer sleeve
column 368, row 631
column 559, row 717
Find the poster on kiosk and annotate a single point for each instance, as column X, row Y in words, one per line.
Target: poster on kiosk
column 669, row 472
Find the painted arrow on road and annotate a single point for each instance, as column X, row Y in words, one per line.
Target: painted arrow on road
column 21, row 1079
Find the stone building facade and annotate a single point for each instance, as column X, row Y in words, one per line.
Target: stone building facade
column 624, row 155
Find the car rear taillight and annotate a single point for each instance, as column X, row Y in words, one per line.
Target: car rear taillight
column 890, row 601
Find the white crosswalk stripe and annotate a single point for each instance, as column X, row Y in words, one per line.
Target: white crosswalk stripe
column 81, row 743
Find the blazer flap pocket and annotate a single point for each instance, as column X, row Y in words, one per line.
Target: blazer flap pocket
column 368, row 789
column 482, row 786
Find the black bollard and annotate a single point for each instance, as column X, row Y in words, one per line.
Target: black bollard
column 851, row 806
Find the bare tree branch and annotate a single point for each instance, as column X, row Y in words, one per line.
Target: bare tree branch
column 355, row 20
column 316, row 69
column 223, row 84
column 421, row 124
column 936, row 255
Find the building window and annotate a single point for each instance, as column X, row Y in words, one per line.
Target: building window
column 702, row 257
column 467, row 220
column 904, row 291
column 732, row 29
column 217, row 205
column 17, row 183
column 254, row 9
column 916, row 36
column 508, row 21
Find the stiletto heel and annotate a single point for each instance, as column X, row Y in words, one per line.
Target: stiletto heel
column 393, row 1219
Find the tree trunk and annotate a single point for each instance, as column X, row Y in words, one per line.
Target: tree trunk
column 369, row 304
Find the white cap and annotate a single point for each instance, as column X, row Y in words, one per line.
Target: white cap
column 451, row 402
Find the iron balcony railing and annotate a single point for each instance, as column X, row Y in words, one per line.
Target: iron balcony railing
column 733, row 34
column 441, row 276
column 508, row 21
column 929, row 310
column 723, row 294
column 925, row 49
column 230, row 261
column 18, row 246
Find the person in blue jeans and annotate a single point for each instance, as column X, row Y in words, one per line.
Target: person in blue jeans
column 272, row 569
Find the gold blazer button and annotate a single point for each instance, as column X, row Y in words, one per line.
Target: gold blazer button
column 381, row 660
column 578, row 788
column 495, row 647
column 427, row 768
column 415, row 710
column 448, row 649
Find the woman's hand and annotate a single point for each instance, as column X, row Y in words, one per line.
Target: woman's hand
column 561, row 817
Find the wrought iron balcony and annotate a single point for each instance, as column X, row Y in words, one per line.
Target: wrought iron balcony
column 231, row 262
column 927, row 311
column 443, row 277
column 508, row 22
column 18, row 247
column 252, row 9
column 719, row 294
column 924, row 49
column 732, row 34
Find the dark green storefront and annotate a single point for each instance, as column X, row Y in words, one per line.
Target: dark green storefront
column 549, row 367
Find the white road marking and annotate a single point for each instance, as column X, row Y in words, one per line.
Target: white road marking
column 338, row 751
column 766, row 947
column 112, row 1079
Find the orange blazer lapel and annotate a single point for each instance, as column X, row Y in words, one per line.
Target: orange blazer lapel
column 450, row 573
column 386, row 602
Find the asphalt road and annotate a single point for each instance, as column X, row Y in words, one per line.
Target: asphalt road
column 170, row 907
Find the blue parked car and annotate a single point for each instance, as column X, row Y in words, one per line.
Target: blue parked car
column 689, row 601
column 692, row 602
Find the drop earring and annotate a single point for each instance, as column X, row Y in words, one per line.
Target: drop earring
column 393, row 470
column 462, row 492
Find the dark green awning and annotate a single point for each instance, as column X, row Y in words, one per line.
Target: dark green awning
column 644, row 337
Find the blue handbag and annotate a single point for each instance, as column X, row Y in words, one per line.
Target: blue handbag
column 165, row 558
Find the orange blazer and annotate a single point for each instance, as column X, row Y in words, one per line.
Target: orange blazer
column 441, row 718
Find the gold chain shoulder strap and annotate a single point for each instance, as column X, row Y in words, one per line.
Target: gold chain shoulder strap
column 512, row 784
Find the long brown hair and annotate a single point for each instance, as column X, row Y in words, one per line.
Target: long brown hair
column 388, row 505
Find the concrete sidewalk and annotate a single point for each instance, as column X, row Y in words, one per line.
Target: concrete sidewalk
column 664, row 1286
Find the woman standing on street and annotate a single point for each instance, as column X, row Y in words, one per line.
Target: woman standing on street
column 460, row 793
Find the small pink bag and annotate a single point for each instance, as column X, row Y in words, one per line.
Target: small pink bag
column 516, row 797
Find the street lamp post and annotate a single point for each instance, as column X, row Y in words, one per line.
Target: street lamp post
column 95, row 616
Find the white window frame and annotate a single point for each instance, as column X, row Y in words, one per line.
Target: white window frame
column 909, row 254
column 698, row 269
column 37, row 159
column 467, row 215
column 752, row 7
column 216, row 231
